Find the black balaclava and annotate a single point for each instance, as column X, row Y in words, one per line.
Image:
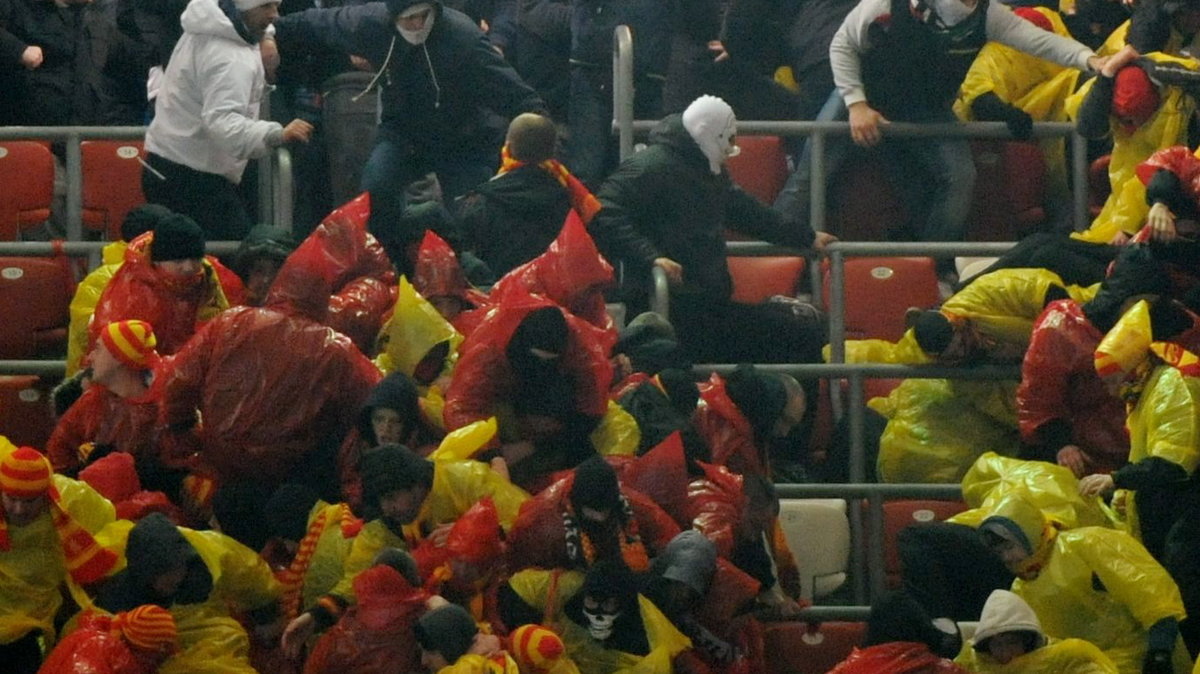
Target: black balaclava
column 142, row 219
column 286, row 513
column 155, row 546
column 391, row 468
column 607, row 607
column 933, row 331
column 545, row 389
column 177, row 237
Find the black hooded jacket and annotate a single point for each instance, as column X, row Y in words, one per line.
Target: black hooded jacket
column 664, row 201
column 155, row 547
column 396, row 392
column 513, row 218
column 436, row 96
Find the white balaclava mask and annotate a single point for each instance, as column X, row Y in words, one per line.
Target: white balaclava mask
column 416, row 37
column 711, row 123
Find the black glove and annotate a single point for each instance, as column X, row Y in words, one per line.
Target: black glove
column 1157, row 662
column 989, row 108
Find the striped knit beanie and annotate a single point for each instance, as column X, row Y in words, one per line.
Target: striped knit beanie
column 131, row 342
column 25, row 474
column 536, row 648
column 148, row 628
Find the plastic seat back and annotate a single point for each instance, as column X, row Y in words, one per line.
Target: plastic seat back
column 757, row 278
column 37, row 292
column 880, row 289
column 27, row 177
column 761, row 169
column 26, row 417
column 112, row 183
column 810, row 648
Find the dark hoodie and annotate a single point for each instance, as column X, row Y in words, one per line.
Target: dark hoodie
column 267, row 241
column 395, row 392
column 513, row 218
column 664, row 201
column 435, row 97
column 155, row 547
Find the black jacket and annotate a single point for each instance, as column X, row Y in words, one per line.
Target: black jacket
column 436, row 97
column 664, row 201
column 513, row 218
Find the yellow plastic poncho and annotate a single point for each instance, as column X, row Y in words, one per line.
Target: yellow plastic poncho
column 1096, row 584
column 374, row 537
column 904, row 352
column 533, row 586
column 1036, row 86
column 328, row 563
column 1069, row 656
column 83, row 304
column 501, row 663
column 210, row 639
column 617, row 434
column 1004, row 304
column 1164, row 423
column 33, row 571
column 937, row 428
column 1053, row 489
column 458, row 485
column 1126, row 208
column 414, row 328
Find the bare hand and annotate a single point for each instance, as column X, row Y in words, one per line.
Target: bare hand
column 1096, row 485
column 1070, row 456
column 297, row 130
column 718, row 51
column 788, row 608
column 32, row 57
column 1120, row 239
column 864, row 124
column 297, row 632
column 268, row 50
column 439, row 535
column 486, row 645
column 435, row 602
column 1109, row 65
column 500, row 467
column 361, row 63
column 823, row 239
column 671, row 268
column 515, row 452
column 1161, row 222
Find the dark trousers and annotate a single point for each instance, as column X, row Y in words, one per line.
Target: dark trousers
column 948, row 569
column 1076, row 262
column 211, row 200
column 591, row 147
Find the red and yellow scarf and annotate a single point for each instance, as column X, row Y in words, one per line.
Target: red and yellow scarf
column 292, row 578
column 582, row 200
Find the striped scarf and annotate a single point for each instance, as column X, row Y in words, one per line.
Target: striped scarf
column 292, row 578
column 582, row 200
column 86, row 560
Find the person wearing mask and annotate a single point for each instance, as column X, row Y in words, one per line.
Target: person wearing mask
column 443, row 88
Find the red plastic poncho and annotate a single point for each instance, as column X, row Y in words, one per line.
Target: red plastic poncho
column 115, row 478
column 174, row 308
column 1178, row 160
column 661, row 474
column 437, row 273
column 572, row 273
column 95, row 648
column 102, row 417
column 306, row 386
column 537, row 538
column 1059, row 381
column 726, row 430
column 375, row 635
column 899, row 657
column 362, row 283
column 483, row 380
column 715, row 506
column 473, row 539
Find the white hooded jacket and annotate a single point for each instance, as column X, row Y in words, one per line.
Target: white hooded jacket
column 206, row 117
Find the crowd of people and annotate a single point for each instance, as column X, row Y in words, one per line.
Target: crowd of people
column 410, row 436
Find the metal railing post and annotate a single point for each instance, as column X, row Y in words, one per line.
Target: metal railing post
column 74, row 186
column 660, row 300
column 817, row 175
column 1081, row 214
column 284, row 192
column 623, row 89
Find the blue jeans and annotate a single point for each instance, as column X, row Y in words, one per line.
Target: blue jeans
column 393, row 165
column 935, row 177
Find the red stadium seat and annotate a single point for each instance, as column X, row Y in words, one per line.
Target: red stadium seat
column 761, row 169
column 1010, row 190
column 810, row 648
column 863, row 205
column 880, row 289
column 757, row 278
column 27, row 176
column 112, row 183
column 25, row 414
column 899, row 514
column 37, row 293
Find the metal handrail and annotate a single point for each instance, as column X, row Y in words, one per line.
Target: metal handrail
column 626, row 126
column 275, row 201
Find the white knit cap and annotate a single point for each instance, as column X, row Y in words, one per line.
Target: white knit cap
column 711, row 123
column 1005, row 612
column 247, row 5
